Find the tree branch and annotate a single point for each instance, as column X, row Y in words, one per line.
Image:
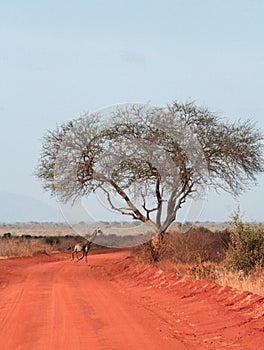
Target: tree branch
column 159, row 199
column 123, row 211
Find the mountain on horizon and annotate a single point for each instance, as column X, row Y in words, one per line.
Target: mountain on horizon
column 21, row 208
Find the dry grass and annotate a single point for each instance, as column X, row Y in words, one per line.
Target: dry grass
column 201, row 253
column 28, row 246
column 253, row 283
column 20, row 247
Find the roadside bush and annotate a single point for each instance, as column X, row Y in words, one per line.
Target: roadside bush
column 198, row 244
column 246, row 248
column 205, row 270
column 142, row 252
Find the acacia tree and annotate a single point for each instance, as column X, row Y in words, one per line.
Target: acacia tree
column 153, row 159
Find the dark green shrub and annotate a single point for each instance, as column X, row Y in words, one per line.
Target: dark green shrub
column 246, row 249
column 52, row 240
column 7, row 235
column 26, row 236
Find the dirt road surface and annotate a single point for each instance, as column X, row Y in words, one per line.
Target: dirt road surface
column 48, row 302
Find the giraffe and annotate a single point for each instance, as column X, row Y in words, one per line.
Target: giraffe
column 84, row 247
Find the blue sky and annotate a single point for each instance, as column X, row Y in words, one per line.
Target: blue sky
column 59, row 59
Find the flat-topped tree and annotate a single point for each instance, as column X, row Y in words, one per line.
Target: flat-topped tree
column 151, row 158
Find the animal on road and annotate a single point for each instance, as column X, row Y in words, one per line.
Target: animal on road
column 84, row 247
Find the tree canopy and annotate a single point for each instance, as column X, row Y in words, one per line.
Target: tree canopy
column 147, row 160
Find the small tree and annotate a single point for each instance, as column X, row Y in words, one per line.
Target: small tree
column 246, row 249
column 153, row 159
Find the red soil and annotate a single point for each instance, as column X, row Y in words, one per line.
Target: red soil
column 48, row 302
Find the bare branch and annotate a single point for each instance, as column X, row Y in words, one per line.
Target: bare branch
column 159, row 156
column 123, row 211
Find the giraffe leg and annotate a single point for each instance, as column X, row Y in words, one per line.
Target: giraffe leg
column 80, row 257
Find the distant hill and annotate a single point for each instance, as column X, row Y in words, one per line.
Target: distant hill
column 20, row 208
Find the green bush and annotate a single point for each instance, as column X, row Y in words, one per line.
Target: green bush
column 246, row 248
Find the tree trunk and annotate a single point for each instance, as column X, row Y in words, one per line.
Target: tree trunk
column 156, row 246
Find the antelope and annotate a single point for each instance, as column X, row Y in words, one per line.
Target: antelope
column 84, row 247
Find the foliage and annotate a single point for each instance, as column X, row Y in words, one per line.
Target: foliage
column 246, row 249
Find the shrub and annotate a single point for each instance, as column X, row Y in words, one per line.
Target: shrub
column 142, row 252
column 204, row 270
column 7, row 235
column 198, row 244
column 52, row 240
column 26, row 236
column 246, row 248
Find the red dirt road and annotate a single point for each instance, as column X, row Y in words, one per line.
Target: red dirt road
column 48, row 302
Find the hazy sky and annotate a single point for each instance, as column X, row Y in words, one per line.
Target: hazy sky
column 61, row 58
